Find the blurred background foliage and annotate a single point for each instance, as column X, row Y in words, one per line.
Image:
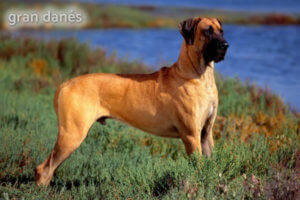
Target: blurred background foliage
column 148, row 16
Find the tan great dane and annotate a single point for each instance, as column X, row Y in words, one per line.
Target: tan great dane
column 179, row 101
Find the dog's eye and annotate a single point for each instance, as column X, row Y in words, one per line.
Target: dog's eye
column 209, row 31
column 221, row 31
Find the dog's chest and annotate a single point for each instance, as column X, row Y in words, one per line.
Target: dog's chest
column 210, row 110
column 207, row 104
column 200, row 98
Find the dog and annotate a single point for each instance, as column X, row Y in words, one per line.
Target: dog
column 179, row 101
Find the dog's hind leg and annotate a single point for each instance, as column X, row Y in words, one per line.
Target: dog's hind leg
column 75, row 119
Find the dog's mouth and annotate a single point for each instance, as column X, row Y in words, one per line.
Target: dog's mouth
column 220, row 55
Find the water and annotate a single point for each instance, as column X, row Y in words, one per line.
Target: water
column 286, row 6
column 265, row 55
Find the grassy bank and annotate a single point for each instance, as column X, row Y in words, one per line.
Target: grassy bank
column 113, row 16
column 256, row 155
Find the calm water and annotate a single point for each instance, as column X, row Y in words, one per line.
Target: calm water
column 267, row 56
column 286, row 6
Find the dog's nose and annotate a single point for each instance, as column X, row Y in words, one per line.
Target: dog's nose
column 224, row 45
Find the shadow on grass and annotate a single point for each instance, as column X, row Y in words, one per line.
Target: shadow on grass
column 13, row 120
column 164, row 184
column 16, row 180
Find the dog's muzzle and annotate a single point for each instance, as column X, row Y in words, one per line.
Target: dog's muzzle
column 215, row 50
column 223, row 45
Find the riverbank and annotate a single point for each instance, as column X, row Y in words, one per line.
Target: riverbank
column 257, row 136
column 121, row 16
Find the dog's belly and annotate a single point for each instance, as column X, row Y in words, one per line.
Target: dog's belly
column 169, row 131
column 158, row 125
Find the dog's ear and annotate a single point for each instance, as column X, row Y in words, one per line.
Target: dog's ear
column 188, row 29
column 219, row 22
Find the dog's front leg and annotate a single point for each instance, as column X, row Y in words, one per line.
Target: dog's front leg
column 191, row 141
column 189, row 128
column 207, row 141
column 192, row 144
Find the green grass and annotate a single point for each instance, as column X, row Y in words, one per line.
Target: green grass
column 119, row 162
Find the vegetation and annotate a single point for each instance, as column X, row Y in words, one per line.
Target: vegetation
column 113, row 16
column 256, row 154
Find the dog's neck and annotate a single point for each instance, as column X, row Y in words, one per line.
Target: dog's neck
column 191, row 64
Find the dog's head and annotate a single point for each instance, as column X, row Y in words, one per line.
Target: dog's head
column 205, row 36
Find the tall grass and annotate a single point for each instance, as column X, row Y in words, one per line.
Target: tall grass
column 257, row 137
